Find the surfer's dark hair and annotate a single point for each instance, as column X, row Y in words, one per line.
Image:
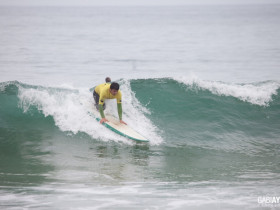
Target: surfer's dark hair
column 108, row 79
column 115, row 86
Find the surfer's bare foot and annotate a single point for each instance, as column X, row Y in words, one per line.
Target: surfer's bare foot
column 123, row 122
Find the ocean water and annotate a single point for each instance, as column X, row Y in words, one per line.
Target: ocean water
column 202, row 83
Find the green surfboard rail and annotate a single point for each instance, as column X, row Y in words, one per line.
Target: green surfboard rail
column 116, row 131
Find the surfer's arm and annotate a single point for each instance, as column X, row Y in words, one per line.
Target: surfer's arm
column 101, row 103
column 103, row 119
column 101, row 110
column 120, row 113
column 119, row 104
column 120, row 110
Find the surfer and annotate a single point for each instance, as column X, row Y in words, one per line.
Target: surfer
column 104, row 91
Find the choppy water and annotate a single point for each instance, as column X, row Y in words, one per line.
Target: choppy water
column 201, row 82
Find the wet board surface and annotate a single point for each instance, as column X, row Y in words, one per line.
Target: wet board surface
column 117, row 127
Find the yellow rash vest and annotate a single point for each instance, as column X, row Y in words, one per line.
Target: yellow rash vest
column 103, row 90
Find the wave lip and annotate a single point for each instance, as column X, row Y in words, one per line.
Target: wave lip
column 256, row 93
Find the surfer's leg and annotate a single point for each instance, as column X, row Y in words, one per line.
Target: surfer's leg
column 96, row 99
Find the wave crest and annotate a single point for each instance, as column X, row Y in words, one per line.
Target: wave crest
column 256, row 93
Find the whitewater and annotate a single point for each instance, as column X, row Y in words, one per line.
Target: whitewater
column 202, row 83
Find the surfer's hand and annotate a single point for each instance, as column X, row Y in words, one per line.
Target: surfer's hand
column 103, row 120
column 122, row 122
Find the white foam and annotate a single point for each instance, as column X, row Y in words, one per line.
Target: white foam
column 3, row 85
column 67, row 107
column 259, row 93
column 134, row 114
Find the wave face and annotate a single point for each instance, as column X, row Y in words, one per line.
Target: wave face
column 216, row 115
column 242, row 117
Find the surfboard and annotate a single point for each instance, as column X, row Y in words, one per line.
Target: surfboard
column 117, row 127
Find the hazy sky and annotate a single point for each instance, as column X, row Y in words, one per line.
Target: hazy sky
column 127, row 2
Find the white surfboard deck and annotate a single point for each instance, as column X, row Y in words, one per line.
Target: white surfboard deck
column 119, row 128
